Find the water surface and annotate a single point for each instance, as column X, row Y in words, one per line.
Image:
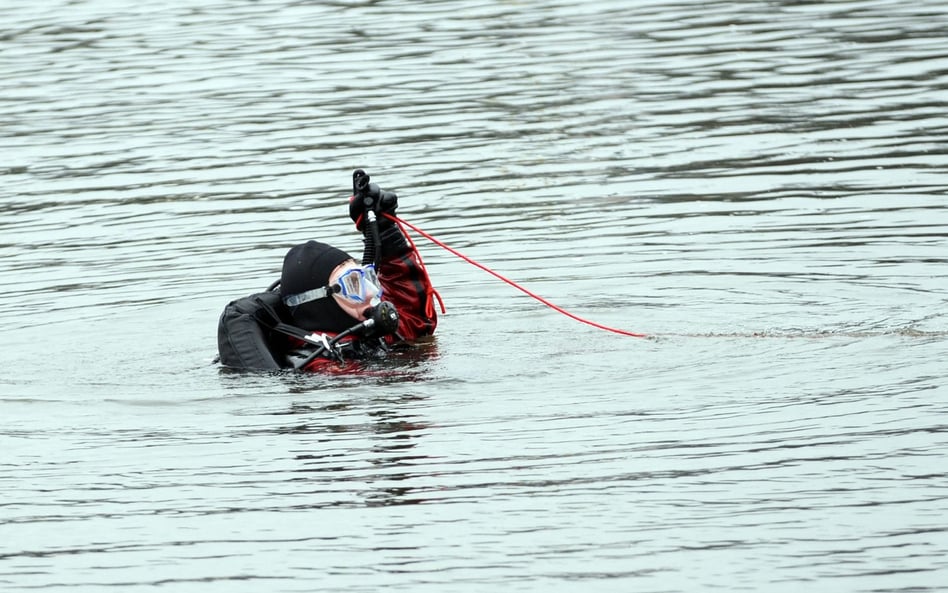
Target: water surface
column 759, row 187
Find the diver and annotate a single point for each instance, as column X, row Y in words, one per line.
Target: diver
column 328, row 311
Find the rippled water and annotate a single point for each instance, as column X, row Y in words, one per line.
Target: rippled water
column 759, row 186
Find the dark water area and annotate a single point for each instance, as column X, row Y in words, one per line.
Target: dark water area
column 760, row 187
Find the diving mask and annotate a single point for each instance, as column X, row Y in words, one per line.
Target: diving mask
column 350, row 284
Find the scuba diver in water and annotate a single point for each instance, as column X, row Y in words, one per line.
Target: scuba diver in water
column 329, row 311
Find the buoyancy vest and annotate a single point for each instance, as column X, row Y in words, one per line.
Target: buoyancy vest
column 243, row 341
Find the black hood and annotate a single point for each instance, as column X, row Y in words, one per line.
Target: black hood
column 308, row 266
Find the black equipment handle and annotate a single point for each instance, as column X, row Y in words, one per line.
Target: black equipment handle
column 361, row 190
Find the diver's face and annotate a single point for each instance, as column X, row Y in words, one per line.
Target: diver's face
column 358, row 288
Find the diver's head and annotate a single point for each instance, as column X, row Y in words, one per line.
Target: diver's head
column 325, row 289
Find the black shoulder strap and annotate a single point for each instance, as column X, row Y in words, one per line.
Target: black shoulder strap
column 267, row 316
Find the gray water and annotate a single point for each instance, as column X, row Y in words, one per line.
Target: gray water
column 758, row 186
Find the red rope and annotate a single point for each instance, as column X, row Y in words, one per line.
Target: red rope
column 511, row 282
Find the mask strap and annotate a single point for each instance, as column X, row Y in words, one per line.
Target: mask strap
column 295, row 300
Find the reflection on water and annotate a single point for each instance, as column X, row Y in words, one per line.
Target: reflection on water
column 757, row 186
column 390, row 455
